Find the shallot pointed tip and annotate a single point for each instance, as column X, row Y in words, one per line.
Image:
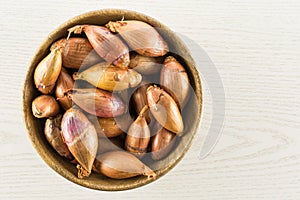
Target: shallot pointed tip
column 169, row 59
column 75, row 29
column 82, row 172
column 150, row 174
column 110, row 25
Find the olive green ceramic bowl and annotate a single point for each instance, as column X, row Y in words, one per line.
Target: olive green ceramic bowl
column 191, row 114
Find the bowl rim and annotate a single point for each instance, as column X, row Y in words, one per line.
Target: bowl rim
column 28, row 78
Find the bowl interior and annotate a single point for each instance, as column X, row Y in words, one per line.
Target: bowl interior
column 191, row 114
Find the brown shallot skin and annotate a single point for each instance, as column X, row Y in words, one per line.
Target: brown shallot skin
column 121, row 165
column 81, row 138
column 140, row 36
column 174, row 79
column 53, row 135
column 97, row 102
column 64, row 84
column 45, row 106
column 165, row 110
column 113, row 126
column 162, row 142
column 47, row 71
column 146, row 65
column 139, row 98
column 107, row 45
column 107, row 77
column 77, row 52
column 138, row 135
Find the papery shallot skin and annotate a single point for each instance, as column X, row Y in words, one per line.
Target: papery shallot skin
column 81, row 138
column 140, row 36
column 44, row 106
column 112, row 126
column 47, row 71
column 162, row 142
column 138, row 137
column 109, row 46
column 146, row 65
column 64, row 84
column 108, row 77
column 165, row 110
column 76, row 52
column 174, row 80
column 139, row 99
column 53, row 135
column 121, row 165
column 97, row 102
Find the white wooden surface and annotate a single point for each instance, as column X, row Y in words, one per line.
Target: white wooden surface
column 255, row 46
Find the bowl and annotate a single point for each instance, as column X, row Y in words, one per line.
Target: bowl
column 191, row 114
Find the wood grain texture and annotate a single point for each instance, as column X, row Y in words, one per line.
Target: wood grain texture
column 255, row 47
